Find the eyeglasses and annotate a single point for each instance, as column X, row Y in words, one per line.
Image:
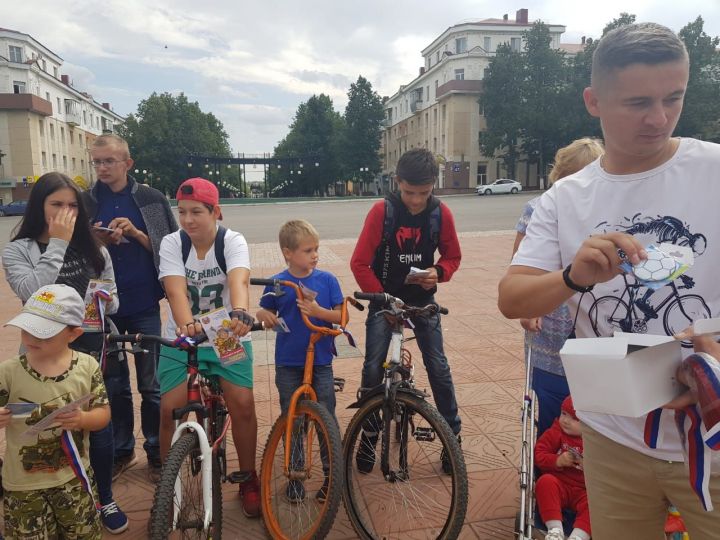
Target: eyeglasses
column 104, row 162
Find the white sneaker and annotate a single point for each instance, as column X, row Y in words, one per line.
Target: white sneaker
column 555, row 534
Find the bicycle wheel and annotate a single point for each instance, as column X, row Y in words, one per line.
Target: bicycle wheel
column 291, row 508
column 183, row 468
column 683, row 311
column 608, row 314
column 418, row 496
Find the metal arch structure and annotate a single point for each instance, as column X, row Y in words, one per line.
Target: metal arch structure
column 266, row 160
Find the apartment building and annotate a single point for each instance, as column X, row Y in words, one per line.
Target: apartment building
column 45, row 123
column 439, row 109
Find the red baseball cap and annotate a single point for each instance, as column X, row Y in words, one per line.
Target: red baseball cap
column 567, row 406
column 200, row 190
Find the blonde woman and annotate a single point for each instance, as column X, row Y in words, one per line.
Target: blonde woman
column 550, row 332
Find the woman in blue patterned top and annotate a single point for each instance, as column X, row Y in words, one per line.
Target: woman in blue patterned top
column 546, row 335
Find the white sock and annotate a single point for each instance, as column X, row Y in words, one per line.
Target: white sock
column 579, row 533
column 554, row 524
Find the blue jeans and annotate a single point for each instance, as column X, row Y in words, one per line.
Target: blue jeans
column 550, row 391
column 117, row 382
column 430, row 341
column 288, row 379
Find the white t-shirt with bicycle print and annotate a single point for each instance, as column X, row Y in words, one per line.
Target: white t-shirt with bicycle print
column 206, row 282
column 675, row 203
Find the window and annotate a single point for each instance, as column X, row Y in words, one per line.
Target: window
column 459, row 74
column 54, row 156
column 73, row 164
column 487, row 43
column 47, row 96
column 460, row 45
column 486, row 72
column 18, row 87
column 44, row 65
column 515, row 44
column 481, row 173
column 64, row 163
column 55, row 73
column 84, row 117
column 59, row 109
column 82, row 165
column 52, row 132
column 427, row 92
column 62, row 134
column 44, row 160
column 436, row 85
column 437, row 57
column 41, row 122
column 16, row 54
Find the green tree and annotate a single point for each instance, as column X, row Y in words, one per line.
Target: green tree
column 701, row 110
column 543, row 88
column 164, row 130
column 314, row 132
column 501, row 103
column 363, row 122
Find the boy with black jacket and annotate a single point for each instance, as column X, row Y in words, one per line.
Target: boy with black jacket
column 401, row 232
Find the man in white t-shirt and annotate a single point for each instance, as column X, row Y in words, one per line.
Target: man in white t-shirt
column 648, row 188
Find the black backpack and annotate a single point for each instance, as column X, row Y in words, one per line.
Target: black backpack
column 219, row 247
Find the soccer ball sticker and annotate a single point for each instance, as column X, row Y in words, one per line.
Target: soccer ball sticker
column 657, row 267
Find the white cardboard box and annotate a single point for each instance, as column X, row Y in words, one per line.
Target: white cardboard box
column 627, row 374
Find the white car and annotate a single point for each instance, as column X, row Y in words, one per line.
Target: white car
column 501, row 185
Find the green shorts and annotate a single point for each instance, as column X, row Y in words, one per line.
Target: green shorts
column 66, row 511
column 172, row 368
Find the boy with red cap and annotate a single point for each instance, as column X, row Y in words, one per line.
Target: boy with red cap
column 558, row 455
column 204, row 267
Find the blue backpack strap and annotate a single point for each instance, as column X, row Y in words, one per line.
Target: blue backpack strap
column 220, row 248
column 435, row 226
column 388, row 222
column 186, row 245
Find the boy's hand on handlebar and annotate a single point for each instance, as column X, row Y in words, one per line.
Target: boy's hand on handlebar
column 309, row 308
column 268, row 318
column 598, row 259
column 242, row 324
column 189, row 329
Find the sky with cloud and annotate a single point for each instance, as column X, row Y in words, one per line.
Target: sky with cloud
column 252, row 63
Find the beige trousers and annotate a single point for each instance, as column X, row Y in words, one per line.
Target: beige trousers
column 629, row 493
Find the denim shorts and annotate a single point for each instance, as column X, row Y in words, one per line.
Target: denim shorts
column 172, row 368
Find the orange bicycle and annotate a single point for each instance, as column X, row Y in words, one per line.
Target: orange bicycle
column 295, row 441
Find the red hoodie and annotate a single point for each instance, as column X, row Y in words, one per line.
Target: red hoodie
column 553, row 442
column 371, row 238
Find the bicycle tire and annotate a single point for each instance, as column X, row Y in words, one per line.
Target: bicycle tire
column 615, row 323
column 280, row 516
column 430, row 486
column 680, row 305
column 161, row 514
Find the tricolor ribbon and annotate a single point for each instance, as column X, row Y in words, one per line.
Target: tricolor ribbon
column 73, row 455
column 697, row 424
column 183, row 342
column 348, row 335
column 100, row 298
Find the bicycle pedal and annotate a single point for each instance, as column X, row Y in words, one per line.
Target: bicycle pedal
column 424, row 434
column 339, row 384
column 237, row 477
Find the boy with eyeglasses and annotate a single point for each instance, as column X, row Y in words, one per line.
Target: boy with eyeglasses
column 139, row 217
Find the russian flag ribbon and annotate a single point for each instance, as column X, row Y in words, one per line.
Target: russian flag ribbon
column 73, row 455
column 697, row 424
column 348, row 335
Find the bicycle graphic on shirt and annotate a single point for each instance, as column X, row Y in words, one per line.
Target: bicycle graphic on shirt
column 631, row 312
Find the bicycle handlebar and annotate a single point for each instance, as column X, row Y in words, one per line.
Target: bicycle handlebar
column 386, row 299
column 148, row 338
column 344, row 318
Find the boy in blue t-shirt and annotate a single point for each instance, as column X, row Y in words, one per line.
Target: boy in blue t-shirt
column 299, row 242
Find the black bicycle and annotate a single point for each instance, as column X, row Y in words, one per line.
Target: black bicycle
column 420, row 483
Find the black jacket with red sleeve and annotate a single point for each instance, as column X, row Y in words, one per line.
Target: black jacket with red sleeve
column 410, row 244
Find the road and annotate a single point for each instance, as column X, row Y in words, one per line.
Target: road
column 344, row 219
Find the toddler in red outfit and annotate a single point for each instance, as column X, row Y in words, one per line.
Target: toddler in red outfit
column 558, row 455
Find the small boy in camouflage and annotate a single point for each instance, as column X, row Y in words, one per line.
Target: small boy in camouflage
column 49, row 486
